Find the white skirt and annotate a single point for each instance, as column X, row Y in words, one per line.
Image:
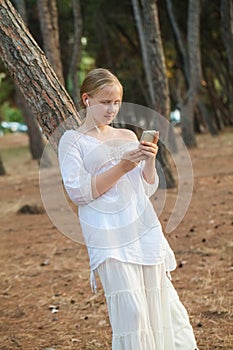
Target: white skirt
column 144, row 308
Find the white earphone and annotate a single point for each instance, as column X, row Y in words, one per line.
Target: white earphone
column 87, row 102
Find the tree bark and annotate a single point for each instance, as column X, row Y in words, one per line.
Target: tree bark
column 2, row 168
column 35, row 137
column 48, row 15
column 144, row 51
column 182, row 52
column 227, row 30
column 194, row 56
column 156, row 58
column 36, row 144
column 34, row 75
column 161, row 100
column 179, row 41
column 227, row 36
column 76, row 52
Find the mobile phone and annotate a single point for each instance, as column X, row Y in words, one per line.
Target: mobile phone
column 150, row 136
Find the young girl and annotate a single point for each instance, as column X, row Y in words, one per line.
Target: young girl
column 110, row 176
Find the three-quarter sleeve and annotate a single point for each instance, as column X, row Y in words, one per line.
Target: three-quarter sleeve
column 149, row 188
column 76, row 179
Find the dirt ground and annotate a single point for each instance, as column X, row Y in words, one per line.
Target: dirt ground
column 45, row 297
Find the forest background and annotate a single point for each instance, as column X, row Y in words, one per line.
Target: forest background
column 192, row 39
column 169, row 55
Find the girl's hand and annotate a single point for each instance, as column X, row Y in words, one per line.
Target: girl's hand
column 149, row 150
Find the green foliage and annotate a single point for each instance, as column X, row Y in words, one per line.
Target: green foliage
column 10, row 113
column 6, row 85
column 6, row 93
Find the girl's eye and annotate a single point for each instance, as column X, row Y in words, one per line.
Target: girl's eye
column 116, row 103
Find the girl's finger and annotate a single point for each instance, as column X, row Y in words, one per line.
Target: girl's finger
column 153, row 150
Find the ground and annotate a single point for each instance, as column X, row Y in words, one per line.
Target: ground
column 45, row 296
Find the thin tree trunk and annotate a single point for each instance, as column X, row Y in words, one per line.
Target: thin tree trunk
column 76, row 52
column 181, row 48
column 48, row 15
column 208, row 119
column 156, row 58
column 227, row 30
column 194, row 55
column 34, row 75
column 227, row 36
column 179, row 41
column 35, row 137
column 157, row 70
column 222, row 74
column 145, row 58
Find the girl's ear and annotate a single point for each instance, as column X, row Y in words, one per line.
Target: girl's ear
column 85, row 99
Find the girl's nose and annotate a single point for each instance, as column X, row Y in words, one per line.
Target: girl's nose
column 111, row 107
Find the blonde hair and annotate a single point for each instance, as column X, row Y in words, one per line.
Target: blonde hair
column 96, row 80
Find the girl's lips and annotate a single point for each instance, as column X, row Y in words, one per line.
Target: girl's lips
column 109, row 116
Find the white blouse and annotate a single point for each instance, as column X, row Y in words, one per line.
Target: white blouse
column 121, row 223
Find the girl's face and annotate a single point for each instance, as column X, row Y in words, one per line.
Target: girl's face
column 104, row 105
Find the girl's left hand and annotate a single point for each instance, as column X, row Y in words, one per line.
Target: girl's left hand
column 149, row 149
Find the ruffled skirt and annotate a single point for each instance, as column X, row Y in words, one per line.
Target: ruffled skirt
column 144, row 309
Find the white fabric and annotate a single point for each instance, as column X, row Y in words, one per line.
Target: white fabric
column 144, row 309
column 122, row 223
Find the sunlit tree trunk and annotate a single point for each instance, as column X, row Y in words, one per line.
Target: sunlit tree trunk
column 48, row 16
column 34, row 75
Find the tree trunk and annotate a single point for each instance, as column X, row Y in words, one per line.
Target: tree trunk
column 227, row 30
column 35, row 77
column 194, row 55
column 48, row 15
column 182, row 52
column 145, row 59
column 187, row 122
column 161, row 100
column 2, row 168
column 208, row 118
column 35, row 137
column 179, row 41
column 156, row 58
column 76, row 52
column 227, row 36
column 36, row 144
